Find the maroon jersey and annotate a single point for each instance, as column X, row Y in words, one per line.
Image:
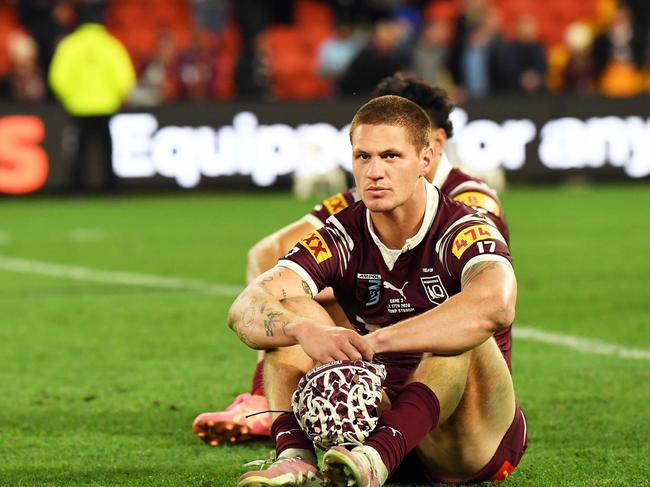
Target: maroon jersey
column 452, row 181
column 377, row 286
column 459, row 186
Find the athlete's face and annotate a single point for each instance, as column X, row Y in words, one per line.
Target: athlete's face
column 386, row 165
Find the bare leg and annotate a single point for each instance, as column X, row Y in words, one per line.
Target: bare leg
column 283, row 367
column 477, row 407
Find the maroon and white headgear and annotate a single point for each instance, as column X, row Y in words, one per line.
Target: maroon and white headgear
column 336, row 403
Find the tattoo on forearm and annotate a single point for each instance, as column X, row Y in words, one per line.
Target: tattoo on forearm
column 307, row 289
column 247, row 340
column 248, row 316
column 476, row 270
column 270, row 322
column 244, row 337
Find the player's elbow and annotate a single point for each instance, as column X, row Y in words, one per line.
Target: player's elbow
column 502, row 308
column 242, row 318
column 236, row 313
column 234, row 316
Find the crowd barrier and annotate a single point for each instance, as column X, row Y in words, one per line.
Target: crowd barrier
column 262, row 143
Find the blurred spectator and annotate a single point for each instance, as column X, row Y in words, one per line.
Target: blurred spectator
column 211, row 15
column 91, row 73
column 618, row 55
column 485, row 59
column 48, row 21
column 529, row 58
column 25, row 79
column 336, row 53
column 196, row 69
column 641, row 14
column 409, row 17
column 579, row 72
column 380, row 57
column 473, row 13
column 158, row 81
column 431, row 53
column 252, row 17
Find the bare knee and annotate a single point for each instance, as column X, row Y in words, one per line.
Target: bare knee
column 446, row 377
column 288, row 358
column 283, row 368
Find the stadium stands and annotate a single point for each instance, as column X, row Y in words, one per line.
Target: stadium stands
column 285, row 54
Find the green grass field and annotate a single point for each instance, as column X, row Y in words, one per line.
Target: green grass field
column 99, row 381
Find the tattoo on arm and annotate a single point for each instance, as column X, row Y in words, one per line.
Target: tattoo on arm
column 307, row 289
column 270, row 322
column 245, row 338
column 248, row 316
column 269, row 278
column 476, row 270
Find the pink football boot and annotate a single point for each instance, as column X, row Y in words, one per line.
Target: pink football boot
column 232, row 425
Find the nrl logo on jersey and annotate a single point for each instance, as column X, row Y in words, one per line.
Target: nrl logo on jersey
column 369, row 289
column 434, row 288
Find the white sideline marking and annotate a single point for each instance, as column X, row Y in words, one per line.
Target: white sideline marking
column 27, row 266
column 115, row 277
column 586, row 345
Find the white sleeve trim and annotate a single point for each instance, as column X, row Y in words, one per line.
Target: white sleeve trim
column 313, row 220
column 298, row 269
column 485, row 258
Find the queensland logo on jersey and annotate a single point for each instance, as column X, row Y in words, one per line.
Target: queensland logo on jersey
column 480, row 201
column 468, row 237
column 434, row 288
column 315, row 243
column 369, row 289
column 335, row 203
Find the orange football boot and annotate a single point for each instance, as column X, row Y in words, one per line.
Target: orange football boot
column 232, row 425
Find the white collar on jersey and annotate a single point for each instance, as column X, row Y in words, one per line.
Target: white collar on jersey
column 391, row 255
column 442, row 171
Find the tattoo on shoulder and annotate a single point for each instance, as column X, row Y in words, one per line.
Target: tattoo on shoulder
column 476, row 270
column 307, row 289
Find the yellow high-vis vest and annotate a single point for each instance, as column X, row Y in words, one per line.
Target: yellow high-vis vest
column 91, row 72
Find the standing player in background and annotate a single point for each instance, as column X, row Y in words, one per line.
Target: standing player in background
column 231, row 425
column 426, row 282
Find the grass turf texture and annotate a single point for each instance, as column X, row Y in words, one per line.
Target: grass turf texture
column 100, row 382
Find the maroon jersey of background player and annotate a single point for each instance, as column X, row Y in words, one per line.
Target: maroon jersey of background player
column 377, row 286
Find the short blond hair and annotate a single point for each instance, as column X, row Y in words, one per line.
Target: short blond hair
column 397, row 111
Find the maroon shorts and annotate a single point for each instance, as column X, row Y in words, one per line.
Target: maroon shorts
column 503, row 463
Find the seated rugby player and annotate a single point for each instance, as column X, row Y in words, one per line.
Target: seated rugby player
column 231, row 425
column 426, row 282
